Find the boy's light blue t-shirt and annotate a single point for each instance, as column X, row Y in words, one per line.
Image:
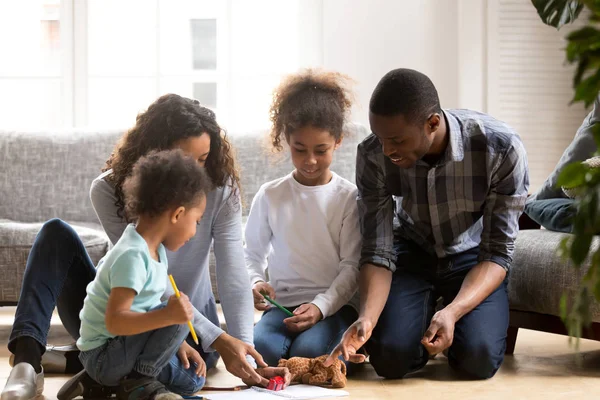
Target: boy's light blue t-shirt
column 128, row 264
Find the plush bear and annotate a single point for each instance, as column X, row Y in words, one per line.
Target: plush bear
column 311, row 371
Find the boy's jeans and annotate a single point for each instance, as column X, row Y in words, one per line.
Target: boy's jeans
column 151, row 353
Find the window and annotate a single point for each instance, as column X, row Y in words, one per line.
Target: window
column 99, row 63
column 31, row 71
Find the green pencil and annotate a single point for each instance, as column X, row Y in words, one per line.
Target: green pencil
column 282, row 308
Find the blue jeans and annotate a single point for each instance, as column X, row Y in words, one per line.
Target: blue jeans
column 57, row 274
column 151, row 353
column 420, row 279
column 273, row 341
column 553, row 214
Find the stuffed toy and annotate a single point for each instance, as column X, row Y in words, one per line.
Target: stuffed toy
column 311, row 371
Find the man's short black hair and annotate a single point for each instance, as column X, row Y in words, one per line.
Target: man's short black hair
column 405, row 92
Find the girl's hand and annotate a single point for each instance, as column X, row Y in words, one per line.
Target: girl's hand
column 187, row 353
column 180, row 310
column 259, row 301
column 305, row 317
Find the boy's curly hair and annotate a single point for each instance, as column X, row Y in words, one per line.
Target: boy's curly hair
column 310, row 98
column 169, row 119
column 164, row 180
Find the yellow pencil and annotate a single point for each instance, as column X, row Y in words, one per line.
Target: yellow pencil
column 192, row 331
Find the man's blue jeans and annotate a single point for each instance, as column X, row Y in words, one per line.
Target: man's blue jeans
column 420, row 279
column 273, row 341
column 151, row 353
column 57, row 274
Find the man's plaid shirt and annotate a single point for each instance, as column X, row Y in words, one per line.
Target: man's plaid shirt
column 472, row 197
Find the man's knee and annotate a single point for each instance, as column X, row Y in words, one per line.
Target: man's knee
column 393, row 359
column 478, row 359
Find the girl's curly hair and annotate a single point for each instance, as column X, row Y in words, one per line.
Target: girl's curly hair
column 310, row 98
column 168, row 120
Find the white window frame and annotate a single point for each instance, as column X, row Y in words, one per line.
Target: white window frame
column 74, row 61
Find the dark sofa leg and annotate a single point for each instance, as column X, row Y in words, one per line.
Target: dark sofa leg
column 511, row 339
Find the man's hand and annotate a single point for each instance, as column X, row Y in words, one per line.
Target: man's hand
column 271, row 372
column 187, row 353
column 234, row 351
column 305, row 317
column 259, row 301
column 354, row 338
column 440, row 334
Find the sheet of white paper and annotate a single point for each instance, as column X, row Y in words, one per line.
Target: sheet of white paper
column 292, row 392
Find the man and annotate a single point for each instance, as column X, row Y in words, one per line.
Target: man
column 440, row 193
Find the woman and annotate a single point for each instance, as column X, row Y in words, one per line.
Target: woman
column 59, row 269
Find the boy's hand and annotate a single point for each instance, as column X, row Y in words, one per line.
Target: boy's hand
column 180, row 310
column 305, row 317
column 259, row 301
column 187, row 353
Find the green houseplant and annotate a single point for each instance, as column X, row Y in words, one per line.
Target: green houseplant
column 583, row 50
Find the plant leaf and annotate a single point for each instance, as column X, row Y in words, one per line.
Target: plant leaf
column 557, row 13
column 563, row 307
column 580, row 248
column 588, row 89
column 597, row 291
column 572, row 175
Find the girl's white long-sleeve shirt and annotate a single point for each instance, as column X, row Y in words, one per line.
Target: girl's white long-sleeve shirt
column 309, row 239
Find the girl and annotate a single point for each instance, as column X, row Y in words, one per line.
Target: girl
column 59, row 269
column 309, row 219
column 128, row 338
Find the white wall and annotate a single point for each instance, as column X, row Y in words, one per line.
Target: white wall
column 366, row 39
column 493, row 56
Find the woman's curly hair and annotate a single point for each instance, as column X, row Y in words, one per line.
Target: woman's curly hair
column 310, row 98
column 164, row 180
column 169, row 119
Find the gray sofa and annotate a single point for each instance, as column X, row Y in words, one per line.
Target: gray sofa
column 46, row 175
column 537, row 281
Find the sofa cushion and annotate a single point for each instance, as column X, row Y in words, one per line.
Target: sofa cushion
column 16, row 239
column 48, row 175
column 539, row 277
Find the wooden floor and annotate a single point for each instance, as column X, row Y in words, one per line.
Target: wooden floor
column 543, row 367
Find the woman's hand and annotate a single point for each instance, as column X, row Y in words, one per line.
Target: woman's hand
column 187, row 353
column 234, row 351
column 271, row 372
column 258, row 289
column 305, row 317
